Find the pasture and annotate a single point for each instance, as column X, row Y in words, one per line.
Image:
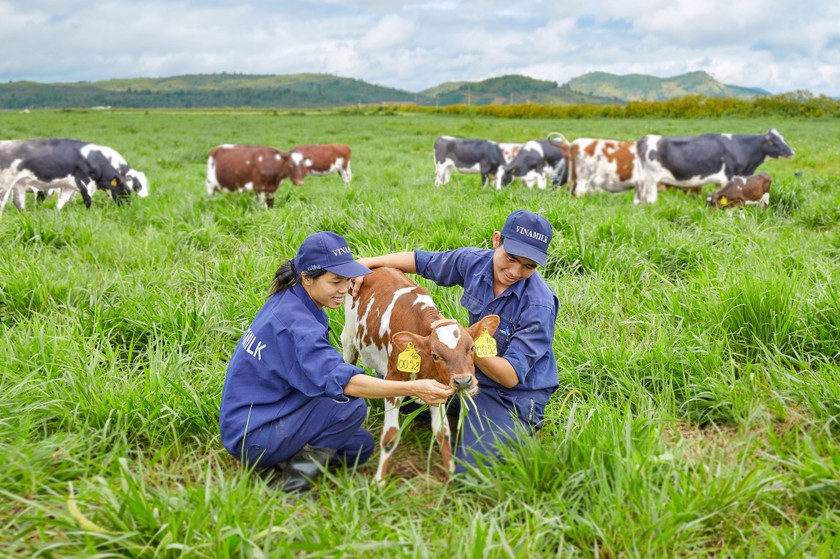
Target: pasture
column 698, row 406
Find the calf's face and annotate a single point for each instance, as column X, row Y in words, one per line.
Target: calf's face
column 448, row 353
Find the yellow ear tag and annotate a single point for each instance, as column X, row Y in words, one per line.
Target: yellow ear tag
column 114, row 182
column 723, row 201
column 408, row 361
column 485, row 345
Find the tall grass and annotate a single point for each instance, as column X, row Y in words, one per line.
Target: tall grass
column 698, row 406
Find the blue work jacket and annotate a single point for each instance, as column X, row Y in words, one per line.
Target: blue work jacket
column 282, row 361
column 528, row 311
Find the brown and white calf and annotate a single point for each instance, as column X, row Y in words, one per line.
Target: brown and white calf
column 392, row 313
column 596, row 164
column 258, row 169
column 323, row 159
column 742, row 191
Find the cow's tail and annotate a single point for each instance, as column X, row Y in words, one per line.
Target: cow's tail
column 562, row 143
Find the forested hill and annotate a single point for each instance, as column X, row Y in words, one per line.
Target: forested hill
column 633, row 87
column 325, row 90
column 204, row 90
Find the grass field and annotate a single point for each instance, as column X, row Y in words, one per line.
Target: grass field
column 697, row 414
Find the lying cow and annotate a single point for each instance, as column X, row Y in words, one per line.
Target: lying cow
column 323, row 159
column 742, row 191
column 538, row 161
column 67, row 166
column 708, row 158
column 258, row 169
column 468, row 155
column 394, row 327
column 599, row 164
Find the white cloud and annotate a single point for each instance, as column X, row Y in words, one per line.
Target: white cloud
column 389, row 32
column 779, row 45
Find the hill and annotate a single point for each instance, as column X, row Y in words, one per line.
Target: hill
column 204, row 90
column 632, row 87
column 512, row 89
column 326, row 90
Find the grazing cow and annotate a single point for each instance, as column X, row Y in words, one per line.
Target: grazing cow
column 537, row 162
column 395, row 328
column 596, row 164
column 708, row 158
column 468, row 156
column 68, row 166
column 742, row 191
column 136, row 180
column 258, row 169
column 323, row 159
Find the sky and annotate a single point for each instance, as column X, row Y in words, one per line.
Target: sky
column 777, row 45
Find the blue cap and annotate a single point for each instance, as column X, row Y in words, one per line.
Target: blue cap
column 527, row 234
column 326, row 250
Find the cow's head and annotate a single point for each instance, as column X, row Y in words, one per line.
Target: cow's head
column 106, row 177
column 448, row 353
column 117, row 187
column 298, row 167
column 138, row 181
column 510, row 172
column 775, row 145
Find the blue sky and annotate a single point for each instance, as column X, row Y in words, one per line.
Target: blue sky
column 778, row 45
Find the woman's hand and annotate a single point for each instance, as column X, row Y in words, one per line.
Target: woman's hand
column 431, row 391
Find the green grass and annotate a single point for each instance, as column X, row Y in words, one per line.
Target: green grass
column 698, row 406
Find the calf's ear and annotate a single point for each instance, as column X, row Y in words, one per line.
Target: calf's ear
column 491, row 322
column 402, row 339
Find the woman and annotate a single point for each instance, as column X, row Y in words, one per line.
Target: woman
column 289, row 399
column 516, row 383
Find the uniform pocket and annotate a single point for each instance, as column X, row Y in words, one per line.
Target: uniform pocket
column 530, row 411
column 503, row 335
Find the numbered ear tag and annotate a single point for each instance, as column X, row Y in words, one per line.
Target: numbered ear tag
column 485, row 345
column 723, row 201
column 114, row 182
column 408, row 361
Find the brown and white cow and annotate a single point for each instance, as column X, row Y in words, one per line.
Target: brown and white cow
column 323, row 159
column 389, row 320
column 596, row 164
column 246, row 168
column 742, row 191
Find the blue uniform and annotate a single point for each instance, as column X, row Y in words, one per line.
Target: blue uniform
column 284, row 388
column 528, row 310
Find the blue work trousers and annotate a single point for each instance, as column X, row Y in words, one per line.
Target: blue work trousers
column 322, row 423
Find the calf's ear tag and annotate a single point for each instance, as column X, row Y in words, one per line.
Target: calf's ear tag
column 408, row 361
column 723, row 201
column 114, row 182
column 485, row 345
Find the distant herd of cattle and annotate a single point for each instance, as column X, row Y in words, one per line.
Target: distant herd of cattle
column 647, row 165
column 586, row 165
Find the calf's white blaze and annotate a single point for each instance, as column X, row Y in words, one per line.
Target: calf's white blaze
column 449, row 335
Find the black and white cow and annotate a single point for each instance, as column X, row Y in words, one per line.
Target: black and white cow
column 136, row 180
column 468, row 156
column 66, row 165
column 698, row 160
column 537, row 162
